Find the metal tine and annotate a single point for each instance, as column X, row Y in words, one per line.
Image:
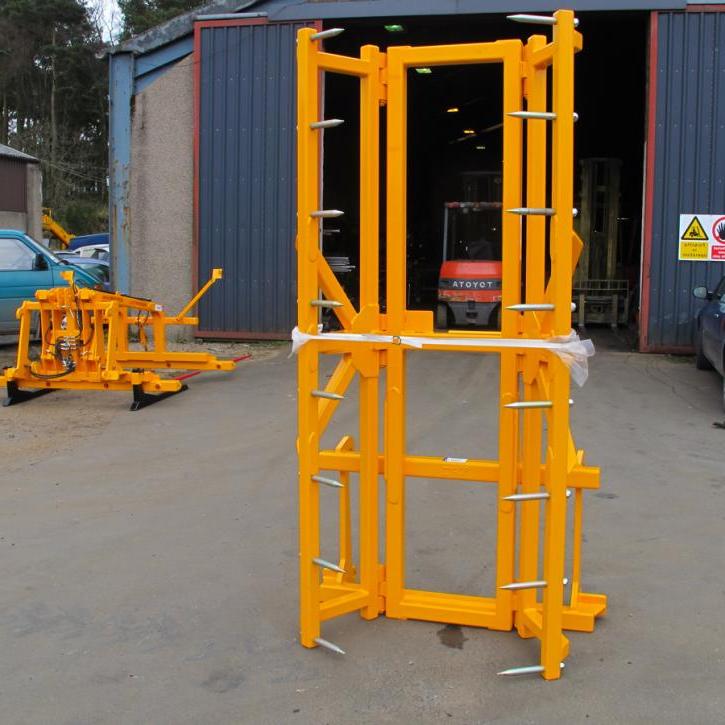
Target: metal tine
column 328, row 481
column 325, row 394
column 543, row 115
column 530, row 404
column 527, row 496
column 329, row 645
column 532, row 307
column 531, row 211
column 326, row 213
column 537, row 19
column 331, row 33
column 328, row 565
column 328, row 123
column 524, row 585
column 533, row 404
column 325, row 303
column 530, row 670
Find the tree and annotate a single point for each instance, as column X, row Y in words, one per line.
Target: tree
column 140, row 15
column 53, row 96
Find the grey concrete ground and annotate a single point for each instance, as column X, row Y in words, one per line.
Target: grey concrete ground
column 148, row 560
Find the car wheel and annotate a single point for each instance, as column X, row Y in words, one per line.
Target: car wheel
column 701, row 362
column 441, row 321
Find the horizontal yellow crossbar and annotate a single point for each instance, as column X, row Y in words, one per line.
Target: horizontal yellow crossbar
column 432, row 467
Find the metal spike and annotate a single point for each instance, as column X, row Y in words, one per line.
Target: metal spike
column 328, row 565
column 326, row 214
column 529, row 307
column 573, row 306
column 537, row 19
column 530, row 404
column 325, row 394
column 543, row 115
column 325, row 303
column 331, row 33
column 328, row 481
column 524, row 585
column 329, row 645
column 531, row 211
column 576, row 116
column 575, row 212
column 530, row 670
column 527, row 496
column 533, row 19
column 329, row 123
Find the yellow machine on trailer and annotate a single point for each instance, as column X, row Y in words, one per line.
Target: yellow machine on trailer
column 85, row 345
column 536, row 348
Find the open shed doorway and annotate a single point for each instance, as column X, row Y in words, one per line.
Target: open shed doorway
column 455, row 159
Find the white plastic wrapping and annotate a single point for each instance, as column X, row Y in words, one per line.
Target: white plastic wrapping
column 572, row 350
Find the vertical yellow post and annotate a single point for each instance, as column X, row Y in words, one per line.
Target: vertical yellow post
column 395, row 311
column 510, row 294
column 536, row 132
column 308, row 251
column 369, row 275
column 561, row 276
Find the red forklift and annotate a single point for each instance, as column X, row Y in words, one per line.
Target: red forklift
column 469, row 284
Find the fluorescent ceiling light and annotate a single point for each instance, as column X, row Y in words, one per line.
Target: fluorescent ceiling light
column 468, row 131
column 423, row 71
column 395, row 28
column 452, row 109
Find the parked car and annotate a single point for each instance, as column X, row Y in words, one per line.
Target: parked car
column 100, row 269
column 27, row 266
column 88, row 240
column 710, row 331
column 96, row 251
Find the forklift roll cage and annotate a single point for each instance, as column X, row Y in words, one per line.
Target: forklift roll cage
column 534, row 382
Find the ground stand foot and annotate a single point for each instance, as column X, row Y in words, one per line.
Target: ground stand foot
column 142, row 399
column 15, row 395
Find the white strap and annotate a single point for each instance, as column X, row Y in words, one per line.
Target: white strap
column 572, row 350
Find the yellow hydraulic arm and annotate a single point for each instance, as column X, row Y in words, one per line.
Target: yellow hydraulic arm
column 51, row 226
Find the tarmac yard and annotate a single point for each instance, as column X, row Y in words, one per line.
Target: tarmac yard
column 148, row 560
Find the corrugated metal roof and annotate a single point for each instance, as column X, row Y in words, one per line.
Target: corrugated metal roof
column 11, row 153
column 279, row 10
column 689, row 165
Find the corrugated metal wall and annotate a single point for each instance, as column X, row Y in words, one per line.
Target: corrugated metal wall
column 13, row 189
column 247, row 200
column 689, row 174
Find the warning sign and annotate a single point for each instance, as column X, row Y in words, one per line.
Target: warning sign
column 694, row 231
column 702, row 237
column 718, row 230
column 694, row 250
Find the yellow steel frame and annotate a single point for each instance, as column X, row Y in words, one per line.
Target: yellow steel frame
column 95, row 327
column 526, row 374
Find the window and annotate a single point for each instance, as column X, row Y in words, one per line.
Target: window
column 15, row 256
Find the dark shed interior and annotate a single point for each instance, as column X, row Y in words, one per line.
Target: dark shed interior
column 455, row 155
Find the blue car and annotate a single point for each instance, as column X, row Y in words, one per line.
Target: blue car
column 27, row 266
column 710, row 331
